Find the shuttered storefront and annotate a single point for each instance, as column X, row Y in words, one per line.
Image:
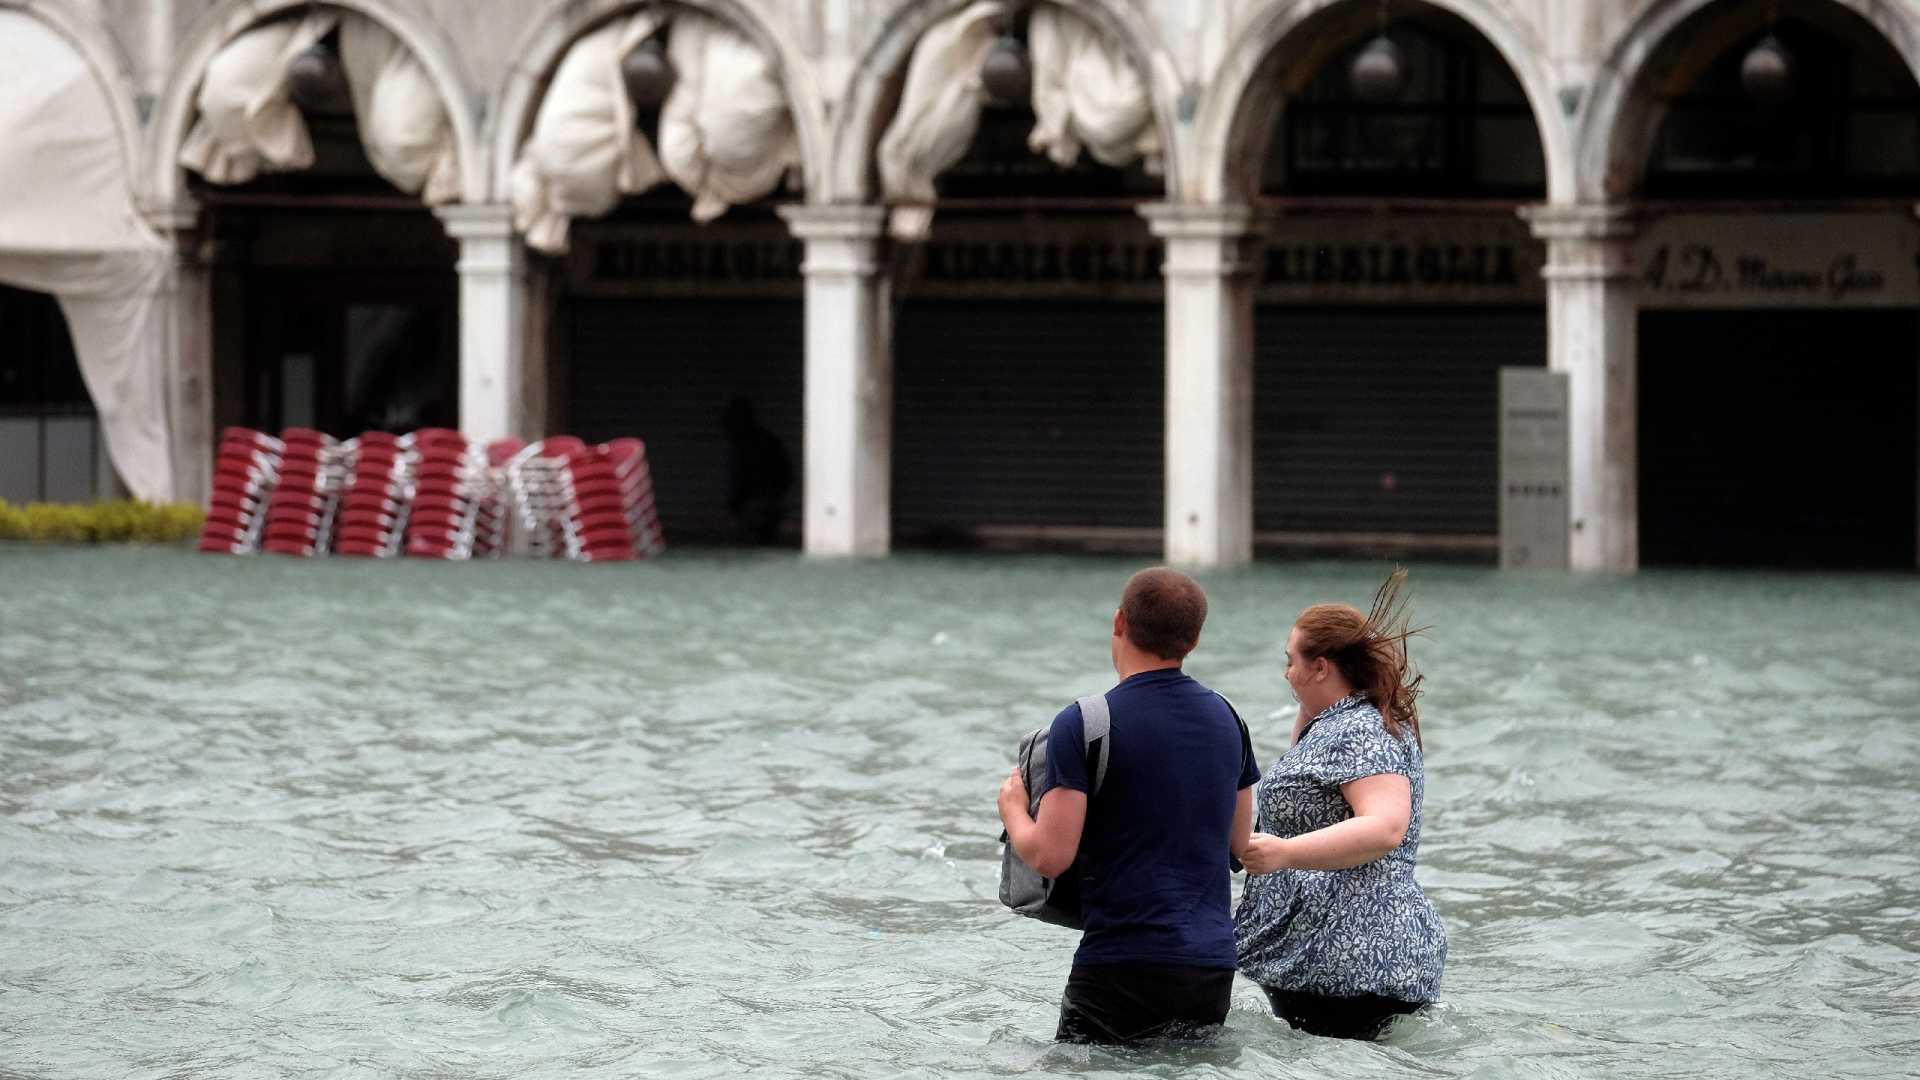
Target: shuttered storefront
column 664, row 370
column 1383, row 419
column 1779, row 438
column 1027, row 414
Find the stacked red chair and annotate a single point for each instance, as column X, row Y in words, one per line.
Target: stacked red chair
column 535, row 491
column 379, row 493
column 607, row 509
column 300, row 512
column 495, row 516
column 452, row 488
column 246, row 468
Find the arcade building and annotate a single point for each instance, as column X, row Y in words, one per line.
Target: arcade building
column 1208, row 280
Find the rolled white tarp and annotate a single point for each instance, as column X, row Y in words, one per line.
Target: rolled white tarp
column 1087, row 93
column 403, row 120
column 726, row 133
column 247, row 122
column 585, row 151
column 68, row 227
column 939, row 113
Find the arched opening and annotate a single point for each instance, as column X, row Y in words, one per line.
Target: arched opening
column 82, row 367
column 333, row 293
column 1780, row 310
column 1395, row 282
column 1029, row 322
column 660, row 318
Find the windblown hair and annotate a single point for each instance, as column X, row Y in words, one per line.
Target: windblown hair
column 1369, row 650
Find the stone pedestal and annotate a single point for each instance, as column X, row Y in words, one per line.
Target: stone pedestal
column 849, row 381
column 1209, row 455
column 502, row 386
column 1592, row 335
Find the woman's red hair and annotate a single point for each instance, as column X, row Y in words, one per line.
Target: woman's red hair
column 1369, row 650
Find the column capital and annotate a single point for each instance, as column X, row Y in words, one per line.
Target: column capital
column 1581, row 221
column 1585, row 241
column 180, row 216
column 477, row 221
column 1204, row 241
column 1193, row 221
column 842, row 240
column 834, row 221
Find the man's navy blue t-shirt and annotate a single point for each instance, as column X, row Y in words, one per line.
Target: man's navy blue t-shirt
column 1154, row 853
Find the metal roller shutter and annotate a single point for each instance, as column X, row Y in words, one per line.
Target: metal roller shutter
column 1025, row 413
column 664, row 370
column 1778, row 438
column 1383, row 420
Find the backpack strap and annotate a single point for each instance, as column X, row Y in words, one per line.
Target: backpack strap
column 1245, row 732
column 1096, row 724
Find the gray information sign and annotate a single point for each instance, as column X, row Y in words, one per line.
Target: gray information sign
column 1533, row 468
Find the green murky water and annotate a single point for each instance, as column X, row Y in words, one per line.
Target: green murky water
column 731, row 815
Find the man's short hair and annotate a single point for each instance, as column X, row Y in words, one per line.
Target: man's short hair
column 1164, row 609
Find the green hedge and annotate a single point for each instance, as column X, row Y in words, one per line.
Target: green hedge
column 121, row 521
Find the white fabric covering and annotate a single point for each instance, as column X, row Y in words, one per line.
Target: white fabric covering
column 585, row 151
column 726, row 134
column 1087, row 93
column 938, row 115
column 247, row 123
column 402, row 118
column 68, row 227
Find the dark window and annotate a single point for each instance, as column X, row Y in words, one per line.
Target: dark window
column 1461, row 128
column 1850, row 129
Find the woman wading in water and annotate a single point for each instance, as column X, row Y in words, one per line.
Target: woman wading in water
column 1331, row 924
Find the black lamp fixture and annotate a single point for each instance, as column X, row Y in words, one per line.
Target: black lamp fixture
column 1007, row 71
column 1767, row 72
column 648, row 73
column 1378, row 73
column 314, row 78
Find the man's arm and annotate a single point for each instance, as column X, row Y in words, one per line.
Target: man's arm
column 1049, row 843
column 1242, row 835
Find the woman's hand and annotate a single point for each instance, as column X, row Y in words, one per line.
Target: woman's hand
column 1265, row 854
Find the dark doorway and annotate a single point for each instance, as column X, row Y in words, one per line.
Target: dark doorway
column 1778, row 438
column 49, row 435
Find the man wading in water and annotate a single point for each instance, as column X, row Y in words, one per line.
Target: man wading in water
column 1157, row 956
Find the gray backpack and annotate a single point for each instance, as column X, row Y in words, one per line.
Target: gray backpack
column 1054, row 900
column 1057, row 900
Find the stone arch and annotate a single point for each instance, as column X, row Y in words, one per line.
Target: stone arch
column 562, row 22
column 1621, row 118
column 110, row 67
column 174, row 112
column 857, row 124
column 1235, row 116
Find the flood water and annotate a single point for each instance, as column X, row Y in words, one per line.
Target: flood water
column 733, row 815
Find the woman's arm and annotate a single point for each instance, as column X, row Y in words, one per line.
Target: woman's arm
column 1382, row 806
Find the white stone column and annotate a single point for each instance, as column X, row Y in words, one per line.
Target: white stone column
column 498, row 387
column 1593, row 336
column 189, row 369
column 1209, row 455
column 849, row 381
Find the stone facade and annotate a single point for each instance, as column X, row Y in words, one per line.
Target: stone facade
column 1590, row 71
